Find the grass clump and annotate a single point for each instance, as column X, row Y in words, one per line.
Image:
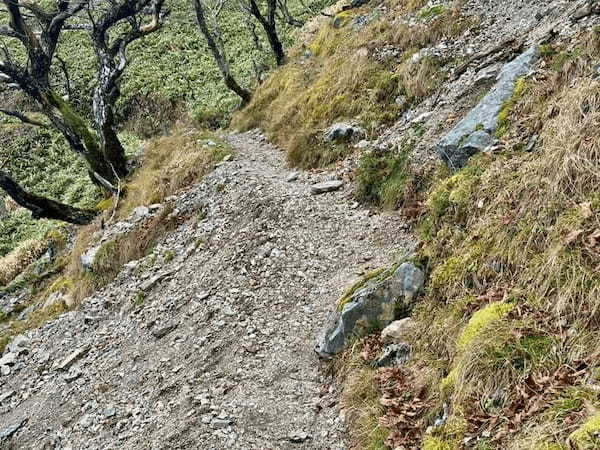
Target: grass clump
column 169, row 164
column 434, row 11
column 383, row 178
column 360, row 398
column 16, row 261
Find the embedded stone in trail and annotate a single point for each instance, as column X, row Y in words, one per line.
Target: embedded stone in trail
column 73, row 357
column 326, row 186
column 476, row 131
column 10, row 430
column 375, row 304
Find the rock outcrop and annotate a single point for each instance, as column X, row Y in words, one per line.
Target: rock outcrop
column 476, row 131
column 374, row 305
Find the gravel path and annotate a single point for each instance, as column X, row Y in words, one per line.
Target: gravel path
column 218, row 354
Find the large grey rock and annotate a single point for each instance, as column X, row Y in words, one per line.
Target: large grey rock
column 344, row 132
column 476, row 131
column 374, row 305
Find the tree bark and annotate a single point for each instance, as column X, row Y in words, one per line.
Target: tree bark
column 269, row 25
column 219, row 56
column 42, row 207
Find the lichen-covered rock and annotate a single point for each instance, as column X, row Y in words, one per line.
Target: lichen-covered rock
column 344, row 132
column 374, row 305
column 476, row 131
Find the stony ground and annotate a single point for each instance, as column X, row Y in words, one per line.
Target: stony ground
column 208, row 342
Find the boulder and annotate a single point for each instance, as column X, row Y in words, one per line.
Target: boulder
column 477, row 130
column 344, row 132
column 374, row 305
column 327, row 186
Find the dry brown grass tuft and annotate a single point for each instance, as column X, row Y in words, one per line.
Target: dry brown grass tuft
column 170, row 164
column 16, row 261
column 360, row 399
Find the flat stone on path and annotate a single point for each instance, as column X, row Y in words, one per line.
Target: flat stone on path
column 326, row 186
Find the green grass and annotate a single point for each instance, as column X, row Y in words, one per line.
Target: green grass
column 383, row 178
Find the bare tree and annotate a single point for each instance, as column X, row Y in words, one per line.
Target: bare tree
column 213, row 35
column 112, row 25
column 269, row 24
column 286, row 16
column 28, row 61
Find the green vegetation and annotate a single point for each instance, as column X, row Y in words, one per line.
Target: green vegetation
column 480, row 320
column 587, row 436
column 433, row 443
column 507, row 108
column 428, row 13
column 383, row 178
column 377, row 274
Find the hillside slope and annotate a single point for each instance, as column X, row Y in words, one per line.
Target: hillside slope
column 205, row 339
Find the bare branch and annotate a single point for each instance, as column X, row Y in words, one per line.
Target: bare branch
column 22, row 117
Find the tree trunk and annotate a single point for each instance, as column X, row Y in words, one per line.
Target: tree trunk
column 269, row 26
column 105, row 169
column 42, row 207
column 219, row 56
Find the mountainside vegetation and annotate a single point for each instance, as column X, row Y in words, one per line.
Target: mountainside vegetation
column 502, row 342
column 171, row 79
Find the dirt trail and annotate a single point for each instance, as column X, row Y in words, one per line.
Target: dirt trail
column 219, row 353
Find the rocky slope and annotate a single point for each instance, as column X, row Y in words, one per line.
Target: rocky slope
column 217, row 351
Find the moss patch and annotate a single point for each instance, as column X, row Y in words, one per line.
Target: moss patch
column 587, row 436
column 377, row 274
column 480, row 320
